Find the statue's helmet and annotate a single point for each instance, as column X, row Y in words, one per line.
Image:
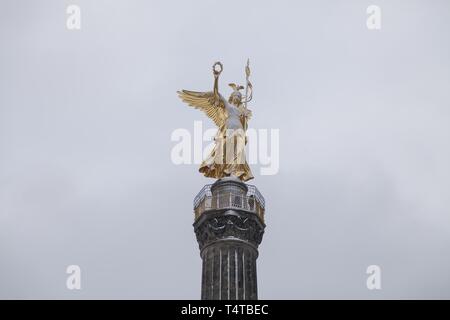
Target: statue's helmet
column 236, row 96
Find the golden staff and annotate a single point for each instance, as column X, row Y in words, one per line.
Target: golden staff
column 247, row 87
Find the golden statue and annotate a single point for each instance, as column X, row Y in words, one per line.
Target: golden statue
column 231, row 117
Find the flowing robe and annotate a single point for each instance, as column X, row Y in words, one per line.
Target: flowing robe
column 228, row 155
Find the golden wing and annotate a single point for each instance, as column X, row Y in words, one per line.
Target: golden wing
column 211, row 104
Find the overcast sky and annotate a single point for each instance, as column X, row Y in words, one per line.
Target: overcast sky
column 86, row 116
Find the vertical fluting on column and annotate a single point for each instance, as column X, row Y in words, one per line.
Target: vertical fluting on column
column 229, row 272
column 228, row 239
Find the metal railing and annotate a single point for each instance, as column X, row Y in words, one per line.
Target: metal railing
column 253, row 201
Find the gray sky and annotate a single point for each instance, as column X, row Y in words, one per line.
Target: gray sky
column 86, row 117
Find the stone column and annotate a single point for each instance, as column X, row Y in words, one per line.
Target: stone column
column 228, row 235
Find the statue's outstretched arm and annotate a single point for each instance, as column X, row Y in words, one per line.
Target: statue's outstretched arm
column 216, row 73
column 216, row 85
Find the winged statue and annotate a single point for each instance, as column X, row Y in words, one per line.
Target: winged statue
column 231, row 117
